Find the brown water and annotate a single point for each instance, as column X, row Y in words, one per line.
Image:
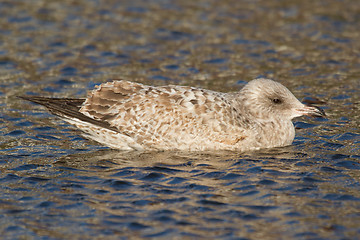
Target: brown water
column 57, row 185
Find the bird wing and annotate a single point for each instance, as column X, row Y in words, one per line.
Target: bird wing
column 162, row 115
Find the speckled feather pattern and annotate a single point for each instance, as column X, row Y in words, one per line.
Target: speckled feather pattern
column 178, row 117
column 169, row 117
column 126, row 115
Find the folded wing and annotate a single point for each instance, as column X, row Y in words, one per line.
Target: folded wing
column 163, row 116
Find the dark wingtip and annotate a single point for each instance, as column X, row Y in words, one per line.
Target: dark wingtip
column 67, row 108
column 29, row 98
column 23, row 97
column 45, row 101
column 32, row 99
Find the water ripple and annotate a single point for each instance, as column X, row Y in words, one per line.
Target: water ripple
column 57, row 185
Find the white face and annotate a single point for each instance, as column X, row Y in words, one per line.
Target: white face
column 267, row 99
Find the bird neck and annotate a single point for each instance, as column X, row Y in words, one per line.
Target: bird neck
column 276, row 133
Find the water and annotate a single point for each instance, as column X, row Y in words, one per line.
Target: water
column 57, row 185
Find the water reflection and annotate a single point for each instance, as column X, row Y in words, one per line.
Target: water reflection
column 223, row 189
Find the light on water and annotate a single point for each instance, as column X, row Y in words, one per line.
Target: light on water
column 57, row 185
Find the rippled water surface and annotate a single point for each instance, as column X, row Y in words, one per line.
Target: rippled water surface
column 56, row 185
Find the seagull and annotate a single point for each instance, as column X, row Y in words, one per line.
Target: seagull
column 126, row 115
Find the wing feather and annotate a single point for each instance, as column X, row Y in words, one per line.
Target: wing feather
column 162, row 115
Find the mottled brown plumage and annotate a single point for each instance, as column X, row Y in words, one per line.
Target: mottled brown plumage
column 127, row 115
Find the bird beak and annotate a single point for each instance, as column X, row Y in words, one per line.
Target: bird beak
column 311, row 111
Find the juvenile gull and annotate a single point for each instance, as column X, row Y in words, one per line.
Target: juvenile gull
column 126, row 115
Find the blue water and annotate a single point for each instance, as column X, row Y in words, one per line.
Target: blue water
column 56, row 185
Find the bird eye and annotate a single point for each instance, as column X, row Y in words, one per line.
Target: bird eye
column 276, row 100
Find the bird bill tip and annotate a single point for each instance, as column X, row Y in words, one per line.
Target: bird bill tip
column 311, row 111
